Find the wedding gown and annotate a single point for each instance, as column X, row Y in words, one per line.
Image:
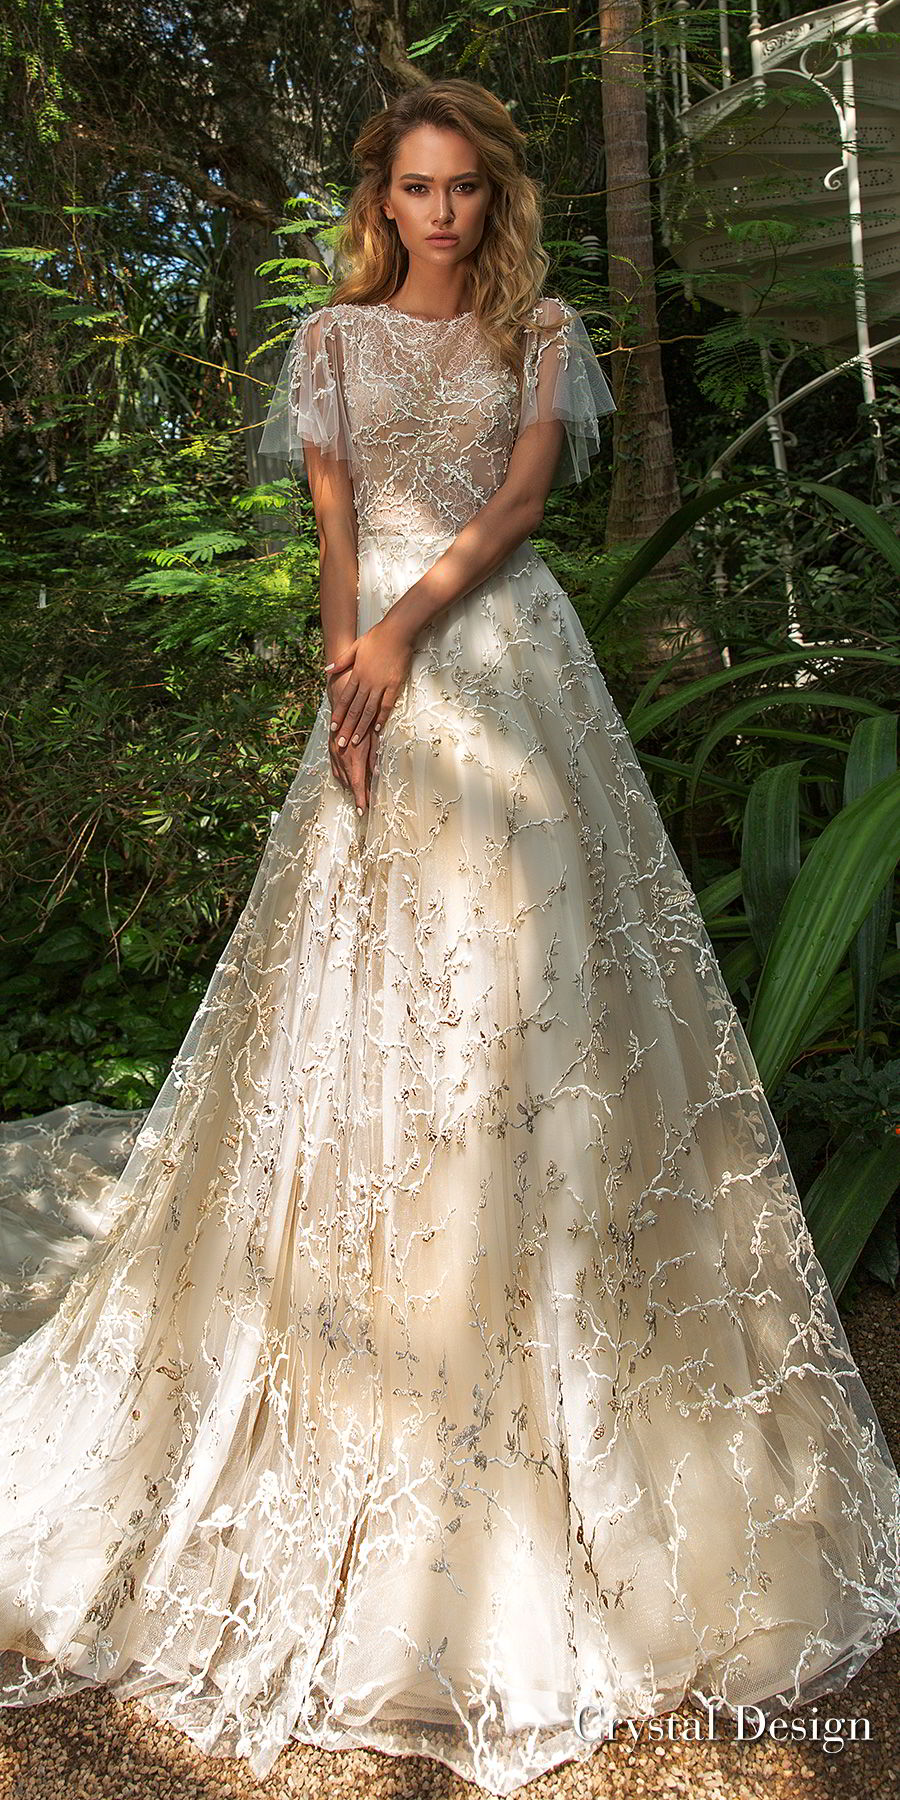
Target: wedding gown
column 442, row 1364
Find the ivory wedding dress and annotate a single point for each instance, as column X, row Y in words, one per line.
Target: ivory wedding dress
column 444, row 1365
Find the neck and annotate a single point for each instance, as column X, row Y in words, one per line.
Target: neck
column 424, row 292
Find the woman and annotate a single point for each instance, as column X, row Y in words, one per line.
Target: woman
column 456, row 1373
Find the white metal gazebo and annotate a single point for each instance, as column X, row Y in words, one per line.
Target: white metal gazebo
column 780, row 193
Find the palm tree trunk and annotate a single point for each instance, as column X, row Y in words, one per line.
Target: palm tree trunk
column 645, row 482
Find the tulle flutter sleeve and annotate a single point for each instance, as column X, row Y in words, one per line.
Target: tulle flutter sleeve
column 563, row 380
column 307, row 405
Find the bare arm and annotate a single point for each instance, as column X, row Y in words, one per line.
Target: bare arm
column 331, row 490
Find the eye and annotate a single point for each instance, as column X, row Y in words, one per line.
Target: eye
column 413, row 186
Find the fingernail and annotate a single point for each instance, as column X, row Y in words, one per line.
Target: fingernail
column 329, row 666
column 341, row 742
column 355, row 738
column 376, row 727
column 359, row 810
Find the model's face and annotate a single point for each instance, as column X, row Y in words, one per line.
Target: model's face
column 437, row 185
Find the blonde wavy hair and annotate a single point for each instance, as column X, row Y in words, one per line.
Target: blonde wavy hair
column 510, row 264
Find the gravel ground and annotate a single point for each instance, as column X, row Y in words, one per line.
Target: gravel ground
column 93, row 1747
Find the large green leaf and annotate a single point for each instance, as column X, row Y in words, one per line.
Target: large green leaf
column 873, row 755
column 836, row 1004
column 642, row 720
column 844, row 870
column 880, row 535
column 739, row 964
column 786, row 734
column 739, row 716
column 770, row 847
column 71, row 945
column 669, row 765
column 846, row 1201
column 719, row 893
column 668, row 534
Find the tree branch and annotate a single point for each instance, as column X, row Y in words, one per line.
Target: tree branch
column 155, row 156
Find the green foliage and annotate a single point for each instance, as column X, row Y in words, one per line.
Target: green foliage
column 728, row 367
column 79, row 1024
column 827, row 903
column 851, row 1095
column 146, row 745
column 879, row 532
column 33, row 46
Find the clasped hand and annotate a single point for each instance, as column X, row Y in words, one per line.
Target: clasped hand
column 364, row 681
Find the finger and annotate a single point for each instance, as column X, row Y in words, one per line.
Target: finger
column 357, row 704
column 359, row 789
column 366, row 716
column 352, row 762
column 360, row 758
column 345, row 714
column 340, row 709
column 338, row 704
column 339, row 766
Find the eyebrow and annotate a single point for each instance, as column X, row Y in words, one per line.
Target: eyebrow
column 412, row 176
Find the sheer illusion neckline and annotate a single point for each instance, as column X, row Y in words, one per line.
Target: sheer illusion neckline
column 418, row 318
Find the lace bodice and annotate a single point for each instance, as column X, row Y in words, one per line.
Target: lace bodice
column 423, row 415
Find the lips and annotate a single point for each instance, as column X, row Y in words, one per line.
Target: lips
column 442, row 237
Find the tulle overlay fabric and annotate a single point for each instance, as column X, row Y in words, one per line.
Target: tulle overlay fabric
column 445, row 1365
column 427, row 424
